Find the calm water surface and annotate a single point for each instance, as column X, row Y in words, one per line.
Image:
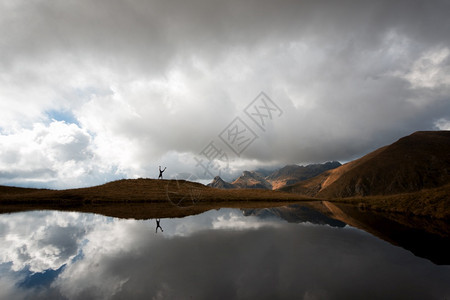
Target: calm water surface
column 224, row 254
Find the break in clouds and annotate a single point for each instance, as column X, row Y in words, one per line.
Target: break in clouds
column 95, row 91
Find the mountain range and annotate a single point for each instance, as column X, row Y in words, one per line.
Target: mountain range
column 420, row 161
column 277, row 179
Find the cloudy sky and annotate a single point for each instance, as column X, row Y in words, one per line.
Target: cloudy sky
column 92, row 91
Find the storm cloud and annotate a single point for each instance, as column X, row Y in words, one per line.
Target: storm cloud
column 138, row 84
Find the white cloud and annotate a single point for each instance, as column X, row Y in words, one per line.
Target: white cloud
column 443, row 124
column 57, row 154
column 431, row 70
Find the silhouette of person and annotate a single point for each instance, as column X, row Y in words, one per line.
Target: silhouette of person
column 158, row 225
column 161, row 172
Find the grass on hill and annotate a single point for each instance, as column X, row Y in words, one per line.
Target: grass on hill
column 179, row 192
column 428, row 202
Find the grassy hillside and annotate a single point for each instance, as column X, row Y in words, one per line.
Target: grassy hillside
column 416, row 162
column 428, row 202
column 179, row 192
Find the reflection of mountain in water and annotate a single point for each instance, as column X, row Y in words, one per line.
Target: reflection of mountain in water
column 295, row 214
column 424, row 237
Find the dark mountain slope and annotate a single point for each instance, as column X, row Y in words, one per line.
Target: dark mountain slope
column 251, row 180
column 292, row 174
column 219, row 183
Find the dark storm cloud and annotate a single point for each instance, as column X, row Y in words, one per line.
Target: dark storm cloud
column 150, row 33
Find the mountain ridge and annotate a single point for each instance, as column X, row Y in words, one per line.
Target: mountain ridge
column 415, row 162
column 284, row 176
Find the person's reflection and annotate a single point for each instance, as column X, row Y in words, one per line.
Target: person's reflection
column 158, row 225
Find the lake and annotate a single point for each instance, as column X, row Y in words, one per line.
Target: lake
column 292, row 252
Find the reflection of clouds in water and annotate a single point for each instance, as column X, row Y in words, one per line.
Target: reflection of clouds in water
column 234, row 220
column 44, row 240
column 37, row 241
column 93, row 274
column 41, row 240
column 126, row 259
column 225, row 218
column 263, row 264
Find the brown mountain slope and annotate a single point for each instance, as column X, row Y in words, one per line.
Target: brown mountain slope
column 219, row 183
column 251, row 180
column 420, row 160
column 292, row 174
